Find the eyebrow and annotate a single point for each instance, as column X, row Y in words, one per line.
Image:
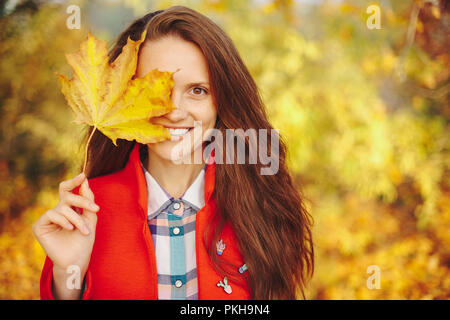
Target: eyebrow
column 192, row 84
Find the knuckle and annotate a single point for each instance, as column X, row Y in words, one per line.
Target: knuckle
column 71, row 199
column 59, row 204
column 59, row 207
column 63, row 196
column 50, row 214
column 65, row 210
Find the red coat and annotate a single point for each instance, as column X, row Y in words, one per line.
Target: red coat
column 123, row 262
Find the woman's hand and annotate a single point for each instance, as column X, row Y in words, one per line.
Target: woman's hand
column 66, row 236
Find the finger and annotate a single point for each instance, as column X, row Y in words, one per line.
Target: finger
column 86, row 191
column 74, row 218
column 71, row 199
column 69, row 185
column 91, row 216
column 58, row 219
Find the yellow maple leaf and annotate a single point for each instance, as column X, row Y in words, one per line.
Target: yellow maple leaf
column 107, row 97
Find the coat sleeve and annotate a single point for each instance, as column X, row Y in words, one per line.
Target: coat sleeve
column 46, row 280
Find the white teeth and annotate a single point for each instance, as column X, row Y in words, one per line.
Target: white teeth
column 178, row 132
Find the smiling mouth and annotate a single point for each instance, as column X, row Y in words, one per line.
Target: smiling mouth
column 178, row 132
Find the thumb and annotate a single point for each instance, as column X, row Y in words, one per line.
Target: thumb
column 85, row 191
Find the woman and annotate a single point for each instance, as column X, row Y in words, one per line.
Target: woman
column 180, row 231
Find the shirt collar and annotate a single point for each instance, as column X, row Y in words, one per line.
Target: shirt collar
column 157, row 196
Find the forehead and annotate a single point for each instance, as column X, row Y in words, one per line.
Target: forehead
column 172, row 53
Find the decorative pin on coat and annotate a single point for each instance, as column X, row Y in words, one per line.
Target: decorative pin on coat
column 220, row 246
column 225, row 285
column 243, row 268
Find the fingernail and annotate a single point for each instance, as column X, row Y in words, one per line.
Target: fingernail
column 85, row 229
column 94, row 207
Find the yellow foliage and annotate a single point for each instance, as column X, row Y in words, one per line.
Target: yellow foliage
column 412, row 264
column 436, row 12
column 22, row 258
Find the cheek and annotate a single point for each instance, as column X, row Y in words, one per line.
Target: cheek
column 207, row 116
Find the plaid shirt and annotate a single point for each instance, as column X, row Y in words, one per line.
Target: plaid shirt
column 172, row 225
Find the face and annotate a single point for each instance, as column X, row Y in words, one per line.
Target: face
column 195, row 111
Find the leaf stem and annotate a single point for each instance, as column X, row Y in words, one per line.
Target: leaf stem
column 86, row 152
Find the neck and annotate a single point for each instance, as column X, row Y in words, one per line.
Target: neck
column 172, row 177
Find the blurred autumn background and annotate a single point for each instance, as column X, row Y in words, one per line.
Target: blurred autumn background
column 365, row 112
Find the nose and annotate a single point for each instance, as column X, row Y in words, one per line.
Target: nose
column 179, row 113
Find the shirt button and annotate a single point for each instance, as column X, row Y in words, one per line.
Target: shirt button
column 178, row 283
column 176, row 230
column 176, row 205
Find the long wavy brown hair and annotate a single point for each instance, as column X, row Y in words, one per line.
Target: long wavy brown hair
column 267, row 212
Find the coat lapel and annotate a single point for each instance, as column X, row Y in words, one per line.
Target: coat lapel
column 206, row 274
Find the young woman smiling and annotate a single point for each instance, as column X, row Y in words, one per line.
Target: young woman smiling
column 165, row 230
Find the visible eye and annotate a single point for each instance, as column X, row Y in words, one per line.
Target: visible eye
column 198, row 90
